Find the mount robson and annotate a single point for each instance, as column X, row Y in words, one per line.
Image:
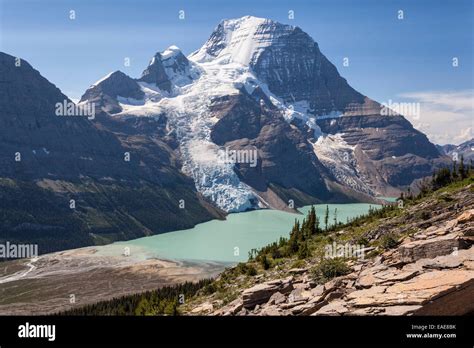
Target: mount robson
column 150, row 158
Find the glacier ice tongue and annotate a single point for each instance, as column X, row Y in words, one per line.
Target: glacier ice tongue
column 188, row 114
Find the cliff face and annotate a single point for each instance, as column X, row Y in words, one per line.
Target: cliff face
column 387, row 150
column 248, row 122
column 427, row 269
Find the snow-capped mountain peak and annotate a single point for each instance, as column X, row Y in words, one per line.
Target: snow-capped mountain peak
column 170, row 52
column 169, row 70
column 241, row 40
column 105, row 77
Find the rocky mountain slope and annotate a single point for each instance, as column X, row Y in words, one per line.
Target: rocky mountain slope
column 417, row 259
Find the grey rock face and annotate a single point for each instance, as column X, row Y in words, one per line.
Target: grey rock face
column 176, row 63
column 295, row 69
column 105, row 93
column 284, row 156
column 169, row 68
column 389, row 145
column 30, row 126
column 155, row 73
column 381, row 136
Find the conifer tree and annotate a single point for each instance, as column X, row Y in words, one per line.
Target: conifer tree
column 312, row 221
column 294, row 237
column 303, row 251
column 462, row 169
column 304, row 230
column 326, row 217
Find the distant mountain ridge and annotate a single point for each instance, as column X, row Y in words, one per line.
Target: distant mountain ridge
column 465, row 149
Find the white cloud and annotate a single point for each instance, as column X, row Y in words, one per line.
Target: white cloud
column 446, row 117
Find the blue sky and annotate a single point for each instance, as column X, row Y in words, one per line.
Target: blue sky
column 390, row 59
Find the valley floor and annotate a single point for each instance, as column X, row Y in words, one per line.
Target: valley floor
column 63, row 280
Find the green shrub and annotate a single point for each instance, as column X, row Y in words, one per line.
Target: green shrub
column 265, row 262
column 329, row 268
column 425, row 215
column 298, row 264
column 209, row 289
column 362, row 241
column 389, row 241
column 247, row 269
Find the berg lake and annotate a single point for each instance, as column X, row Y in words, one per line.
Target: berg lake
column 227, row 240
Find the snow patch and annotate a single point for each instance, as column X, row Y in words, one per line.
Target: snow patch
column 170, row 52
column 338, row 156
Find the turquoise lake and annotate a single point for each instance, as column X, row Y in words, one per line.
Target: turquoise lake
column 227, row 240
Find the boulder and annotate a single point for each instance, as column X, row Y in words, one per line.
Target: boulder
column 334, row 308
column 427, row 288
column 466, row 216
column 204, row 308
column 317, row 291
column 277, row 298
column 261, row 293
column 271, row 311
column 235, row 306
column 430, row 248
column 307, row 308
column 257, row 294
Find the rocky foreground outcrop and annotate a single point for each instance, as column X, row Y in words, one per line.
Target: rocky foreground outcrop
column 430, row 272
